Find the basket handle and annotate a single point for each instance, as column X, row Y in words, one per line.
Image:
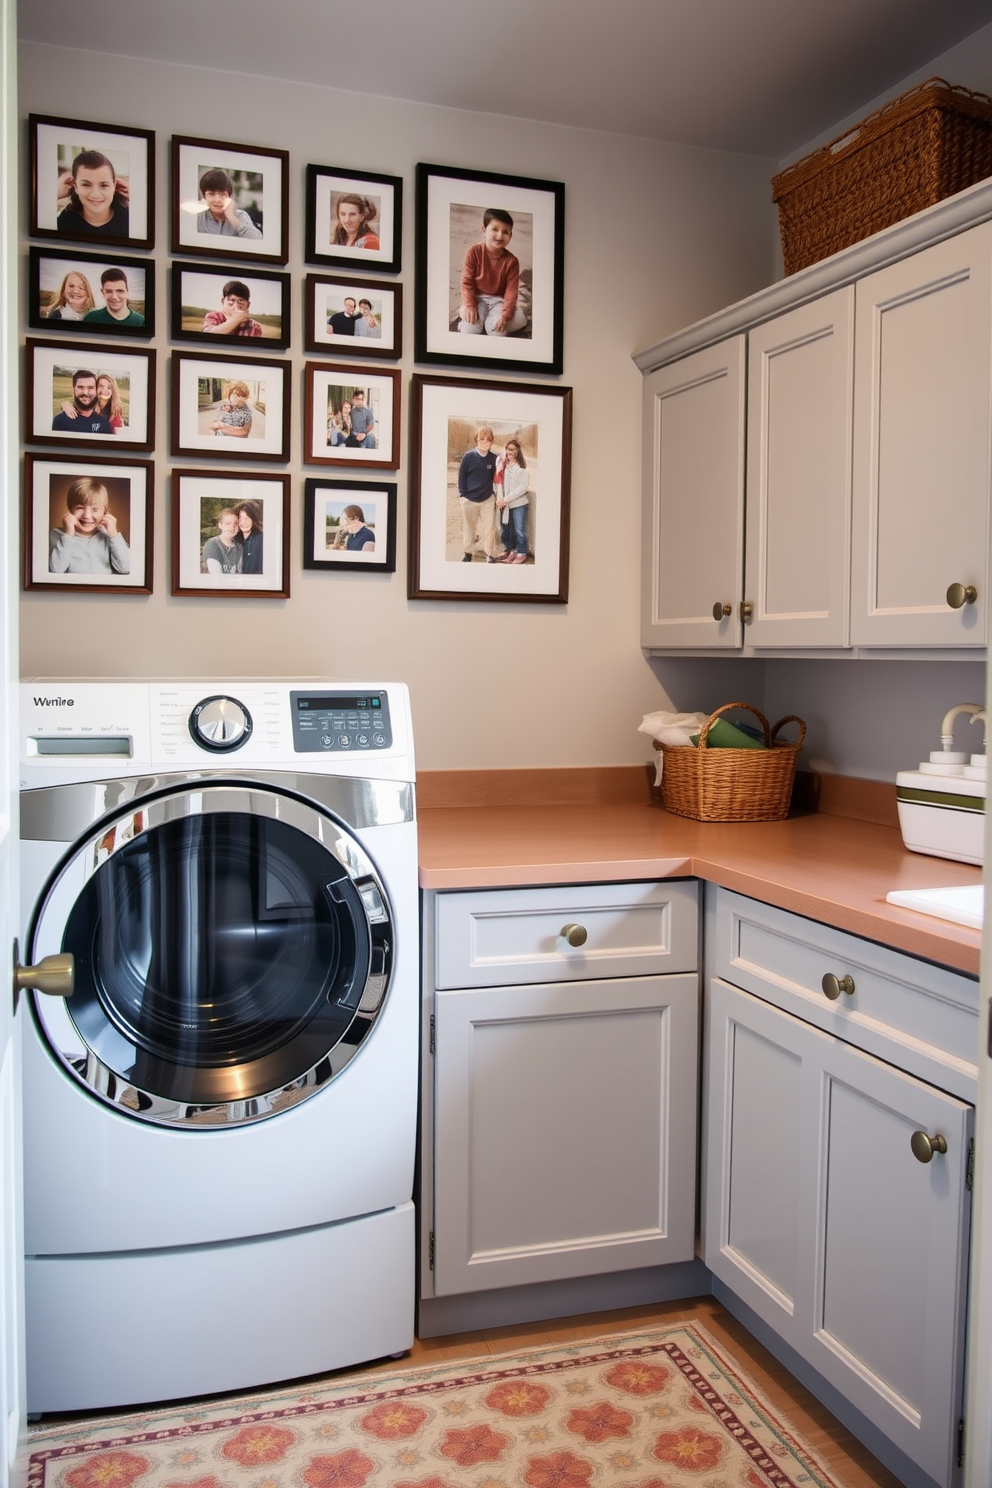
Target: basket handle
column 790, row 718
column 704, row 731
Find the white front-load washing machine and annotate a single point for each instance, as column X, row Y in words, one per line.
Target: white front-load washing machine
column 219, row 1121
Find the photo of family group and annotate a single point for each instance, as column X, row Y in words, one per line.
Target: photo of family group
column 230, row 534
column 353, row 218
column 91, row 293
column 211, row 305
column 229, row 199
column 88, row 525
column 88, row 395
column 352, row 418
column 349, row 527
column 490, row 490
column 91, row 181
column 223, row 408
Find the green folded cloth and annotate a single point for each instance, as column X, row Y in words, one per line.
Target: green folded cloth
column 724, row 735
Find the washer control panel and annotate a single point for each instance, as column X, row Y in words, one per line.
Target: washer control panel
column 340, row 722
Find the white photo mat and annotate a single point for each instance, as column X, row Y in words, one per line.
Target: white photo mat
column 328, row 298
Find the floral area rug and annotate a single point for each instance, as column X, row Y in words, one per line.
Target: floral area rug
column 664, row 1408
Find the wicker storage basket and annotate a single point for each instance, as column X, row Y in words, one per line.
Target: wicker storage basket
column 731, row 784
column 925, row 145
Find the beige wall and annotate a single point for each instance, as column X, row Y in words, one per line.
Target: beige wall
column 656, row 236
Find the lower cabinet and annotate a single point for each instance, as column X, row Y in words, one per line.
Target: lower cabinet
column 562, row 1095
column 837, row 1182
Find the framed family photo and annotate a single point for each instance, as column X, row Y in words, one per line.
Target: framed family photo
column 349, row 526
column 353, row 317
column 88, row 524
column 230, row 408
column 92, row 294
column 352, row 416
column 490, row 254
column 90, row 395
column 354, row 219
column 230, row 535
column 92, row 183
column 490, row 491
column 218, row 308
column 230, row 200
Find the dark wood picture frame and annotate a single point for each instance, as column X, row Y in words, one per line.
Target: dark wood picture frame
column 377, row 500
column 46, row 360
column 447, row 417
column 320, row 377
column 385, row 297
column 326, row 185
column 451, row 207
column 272, row 338
column 45, row 265
column 54, row 143
column 199, row 492
column 48, row 481
column 192, row 156
column 190, row 368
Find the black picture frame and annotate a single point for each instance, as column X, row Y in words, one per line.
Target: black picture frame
column 269, row 288
column 48, row 491
column 327, row 185
column 327, row 500
column 49, row 269
column 54, row 144
column 448, row 416
column 326, row 294
column 198, row 496
column 50, row 367
column 451, row 206
column 200, row 391
column 260, row 178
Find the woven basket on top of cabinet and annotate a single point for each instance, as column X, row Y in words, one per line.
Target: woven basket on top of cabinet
column 725, row 785
column 912, row 153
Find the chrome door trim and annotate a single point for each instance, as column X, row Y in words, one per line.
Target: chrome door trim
column 62, row 813
column 237, row 1102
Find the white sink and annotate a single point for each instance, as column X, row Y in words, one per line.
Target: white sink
column 964, row 905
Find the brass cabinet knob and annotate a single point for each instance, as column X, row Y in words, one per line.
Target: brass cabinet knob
column 747, row 612
column 720, row 611
column 833, row 986
column 575, row 935
column 961, row 594
column 924, row 1147
column 53, row 974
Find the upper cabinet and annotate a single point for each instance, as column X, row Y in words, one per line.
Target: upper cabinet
column 820, row 479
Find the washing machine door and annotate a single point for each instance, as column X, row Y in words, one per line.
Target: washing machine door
column 233, row 950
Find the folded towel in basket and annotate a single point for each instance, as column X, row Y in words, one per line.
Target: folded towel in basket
column 672, row 729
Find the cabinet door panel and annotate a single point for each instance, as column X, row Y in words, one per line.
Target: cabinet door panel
column 565, row 1130
column 923, row 374
column 800, row 392
column 693, row 541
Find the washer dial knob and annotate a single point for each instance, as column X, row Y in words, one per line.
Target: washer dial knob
column 220, row 724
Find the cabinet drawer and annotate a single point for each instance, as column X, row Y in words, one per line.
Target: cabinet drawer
column 920, row 1017
column 507, row 936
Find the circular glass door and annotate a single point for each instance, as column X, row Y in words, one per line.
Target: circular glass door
column 232, row 951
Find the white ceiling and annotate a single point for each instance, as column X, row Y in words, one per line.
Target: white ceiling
column 758, row 76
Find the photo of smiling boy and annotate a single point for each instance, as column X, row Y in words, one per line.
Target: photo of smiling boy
column 491, row 280
column 89, row 540
column 220, row 216
column 116, row 309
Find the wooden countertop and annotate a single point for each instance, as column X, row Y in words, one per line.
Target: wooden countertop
column 828, row 868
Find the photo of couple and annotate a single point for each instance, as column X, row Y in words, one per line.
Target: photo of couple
column 89, row 402
column 351, row 418
column 86, row 294
column 232, row 537
column 491, row 491
column 348, row 317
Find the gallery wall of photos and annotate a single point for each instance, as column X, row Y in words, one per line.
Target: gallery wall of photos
column 488, row 458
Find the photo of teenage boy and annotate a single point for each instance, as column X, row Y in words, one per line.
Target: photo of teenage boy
column 116, row 310
column 476, row 474
column 343, row 322
column 223, row 554
column 220, row 216
column 362, row 423
column 491, row 280
column 92, row 199
column 232, row 319
column 367, row 323
column 89, row 540
column 84, row 417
